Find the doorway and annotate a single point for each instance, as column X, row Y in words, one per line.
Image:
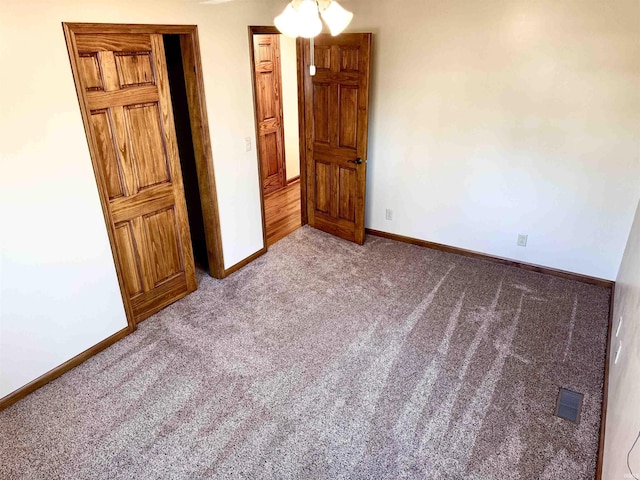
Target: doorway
column 154, row 175
column 274, row 63
column 333, row 82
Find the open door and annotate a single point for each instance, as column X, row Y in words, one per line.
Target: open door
column 268, row 96
column 336, row 133
column 124, row 92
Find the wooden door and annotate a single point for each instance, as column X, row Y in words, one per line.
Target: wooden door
column 336, row 124
column 268, row 85
column 126, row 94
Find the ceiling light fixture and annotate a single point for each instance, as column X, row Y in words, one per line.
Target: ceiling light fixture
column 301, row 18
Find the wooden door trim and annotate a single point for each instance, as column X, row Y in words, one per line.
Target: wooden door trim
column 306, row 125
column 51, row 375
column 246, row 261
column 194, row 81
column 301, row 46
column 200, row 134
column 576, row 277
column 89, row 28
column 605, row 388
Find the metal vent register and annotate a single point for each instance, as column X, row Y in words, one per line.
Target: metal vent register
column 569, row 405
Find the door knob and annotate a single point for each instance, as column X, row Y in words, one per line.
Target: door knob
column 357, row 161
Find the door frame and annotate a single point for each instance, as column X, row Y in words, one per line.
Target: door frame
column 199, row 130
column 303, row 45
column 300, row 45
column 257, row 30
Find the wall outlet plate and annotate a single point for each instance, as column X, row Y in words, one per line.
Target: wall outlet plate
column 522, row 240
column 389, row 214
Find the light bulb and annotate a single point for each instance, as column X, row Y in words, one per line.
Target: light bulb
column 287, row 22
column 336, row 18
column 309, row 22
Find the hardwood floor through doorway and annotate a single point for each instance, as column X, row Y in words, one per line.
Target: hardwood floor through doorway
column 282, row 212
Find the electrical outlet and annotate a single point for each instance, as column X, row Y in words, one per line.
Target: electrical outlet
column 247, row 144
column 618, row 353
column 619, row 327
column 389, row 214
column 522, row 240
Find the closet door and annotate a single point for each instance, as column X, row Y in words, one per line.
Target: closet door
column 126, row 93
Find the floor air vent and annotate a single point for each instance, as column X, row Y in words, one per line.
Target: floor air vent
column 569, row 405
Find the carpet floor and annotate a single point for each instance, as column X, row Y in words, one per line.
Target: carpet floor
column 328, row 360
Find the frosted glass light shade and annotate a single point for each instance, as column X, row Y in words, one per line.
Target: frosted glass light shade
column 287, row 22
column 336, row 18
column 309, row 23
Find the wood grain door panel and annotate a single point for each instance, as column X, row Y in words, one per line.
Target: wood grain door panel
column 267, row 106
column 348, row 117
column 110, row 165
column 268, row 85
column 134, row 69
column 323, row 186
column 321, row 113
column 150, row 163
column 127, row 92
column 165, row 259
column 129, row 258
column 336, row 124
column 90, row 72
column 347, row 186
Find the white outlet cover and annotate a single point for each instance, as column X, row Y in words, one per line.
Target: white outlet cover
column 522, row 240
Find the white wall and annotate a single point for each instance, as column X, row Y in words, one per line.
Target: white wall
column 623, row 414
column 288, row 66
column 58, row 288
column 500, row 117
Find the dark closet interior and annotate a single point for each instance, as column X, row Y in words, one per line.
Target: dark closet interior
column 185, row 147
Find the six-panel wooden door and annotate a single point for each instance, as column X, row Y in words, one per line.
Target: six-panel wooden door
column 268, row 84
column 337, row 110
column 124, row 78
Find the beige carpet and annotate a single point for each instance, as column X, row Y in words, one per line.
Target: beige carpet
column 326, row 360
